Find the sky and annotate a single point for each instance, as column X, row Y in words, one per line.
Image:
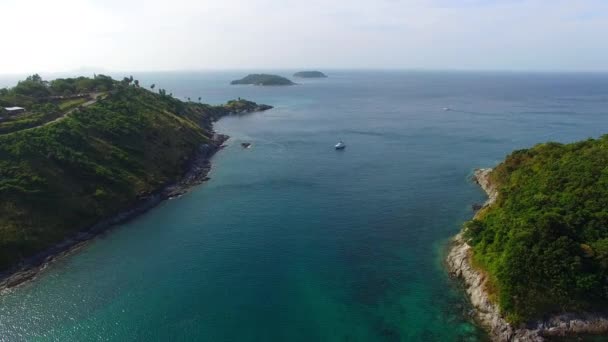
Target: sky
column 153, row 35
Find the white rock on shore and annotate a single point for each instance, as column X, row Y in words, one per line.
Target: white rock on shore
column 488, row 313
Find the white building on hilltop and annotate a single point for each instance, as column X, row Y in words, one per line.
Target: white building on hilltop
column 14, row 110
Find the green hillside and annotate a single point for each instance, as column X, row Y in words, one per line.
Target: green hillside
column 544, row 242
column 58, row 178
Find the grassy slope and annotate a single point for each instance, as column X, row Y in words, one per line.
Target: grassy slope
column 545, row 240
column 71, row 103
column 28, row 120
column 62, row 177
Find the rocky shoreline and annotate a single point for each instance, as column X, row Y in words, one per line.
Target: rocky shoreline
column 197, row 171
column 488, row 314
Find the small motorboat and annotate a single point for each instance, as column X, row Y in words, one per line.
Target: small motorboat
column 245, row 145
column 340, row 145
column 447, row 109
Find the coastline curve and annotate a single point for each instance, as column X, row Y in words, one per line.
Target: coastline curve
column 487, row 313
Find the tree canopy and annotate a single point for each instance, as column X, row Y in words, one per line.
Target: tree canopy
column 544, row 242
column 59, row 178
column 34, row 90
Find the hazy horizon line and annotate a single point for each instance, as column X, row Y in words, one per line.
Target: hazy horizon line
column 100, row 70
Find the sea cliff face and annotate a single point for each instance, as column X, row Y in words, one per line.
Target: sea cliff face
column 488, row 313
column 459, row 265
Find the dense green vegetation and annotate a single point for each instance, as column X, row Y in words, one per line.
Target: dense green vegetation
column 46, row 101
column 544, row 243
column 264, row 80
column 29, row 120
column 35, row 91
column 310, row 74
column 62, row 177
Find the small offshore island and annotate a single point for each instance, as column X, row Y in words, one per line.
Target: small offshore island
column 534, row 259
column 309, row 74
column 263, row 80
column 86, row 153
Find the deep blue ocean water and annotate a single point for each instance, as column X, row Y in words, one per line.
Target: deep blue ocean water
column 293, row 241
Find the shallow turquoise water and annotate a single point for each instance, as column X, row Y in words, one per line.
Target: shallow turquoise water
column 293, row 241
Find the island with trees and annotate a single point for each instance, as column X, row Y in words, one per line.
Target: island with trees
column 65, row 180
column 309, row 74
column 263, row 80
column 535, row 257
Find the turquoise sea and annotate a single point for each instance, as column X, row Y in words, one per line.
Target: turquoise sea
column 293, row 241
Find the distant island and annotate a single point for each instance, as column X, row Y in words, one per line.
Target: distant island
column 309, row 74
column 264, row 80
column 86, row 153
column 535, row 256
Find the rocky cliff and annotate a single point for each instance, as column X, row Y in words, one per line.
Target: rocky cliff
column 488, row 314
